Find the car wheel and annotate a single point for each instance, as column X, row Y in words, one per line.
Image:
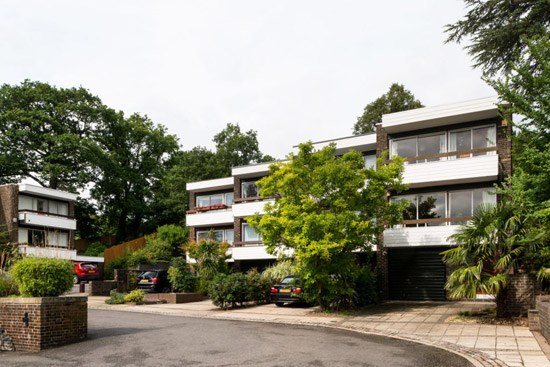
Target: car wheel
column 76, row 280
column 279, row 304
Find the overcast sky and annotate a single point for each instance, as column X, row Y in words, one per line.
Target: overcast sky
column 292, row 70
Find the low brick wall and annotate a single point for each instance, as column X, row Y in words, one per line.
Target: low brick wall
column 173, row 297
column 51, row 321
column 102, row 287
column 522, row 292
column 543, row 308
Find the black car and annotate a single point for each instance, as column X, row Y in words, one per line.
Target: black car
column 288, row 291
column 155, row 281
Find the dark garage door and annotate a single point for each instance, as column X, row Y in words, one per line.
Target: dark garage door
column 416, row 274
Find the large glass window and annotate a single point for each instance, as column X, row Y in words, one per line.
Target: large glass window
column 215, row 200
column 419, row 146
column 43, row 205
column 250, row 190
column 218, row 235
column 465, row 202
column 370, row 161
column 475, row 138
column 249, row 234
column 423, row 206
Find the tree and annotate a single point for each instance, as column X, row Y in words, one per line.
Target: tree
column 526, row 93
column 497, row 29
column 495, row 243
column 45, row 133
column 324, row 212
column 395, row 100
column 234, row 148
column 130, row 155
column 210, row 260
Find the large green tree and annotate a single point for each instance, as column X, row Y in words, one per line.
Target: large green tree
column 45, row 133
column 496, row 29
column 323, row 213
column 397, row 99
column 130, row 156
column 236, row 148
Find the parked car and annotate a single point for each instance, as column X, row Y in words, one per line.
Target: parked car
column 154, row 281
column 84, row 271
column 288, row 291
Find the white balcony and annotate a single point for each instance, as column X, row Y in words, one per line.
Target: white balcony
column 211, row 217
column 46, row 192
column 453, row 171
column 209, row 185
column 251, row 253
column 49, row 252
column 419, row 236
column 46, row 220
column 245, row 209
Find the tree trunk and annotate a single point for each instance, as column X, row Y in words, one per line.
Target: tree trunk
column 53, row 183
column 502, row 303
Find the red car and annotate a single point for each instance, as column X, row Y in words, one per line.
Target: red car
column 85, row 271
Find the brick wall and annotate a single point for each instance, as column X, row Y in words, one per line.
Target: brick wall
column 543, row 308
column 9, row 209
column 522, row 292
column 102, row 287
column 52, row 321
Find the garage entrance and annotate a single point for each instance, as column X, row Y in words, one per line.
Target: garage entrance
column 416, row 274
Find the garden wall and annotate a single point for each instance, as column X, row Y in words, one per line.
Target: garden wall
column 543, row 310
column 102, row 287
column 38, row 323
column 522, row 293
column 173, row 297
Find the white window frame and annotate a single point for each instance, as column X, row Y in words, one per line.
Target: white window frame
column 248, row 182
column 260, row 239
column 217, row 230
column 223, row 194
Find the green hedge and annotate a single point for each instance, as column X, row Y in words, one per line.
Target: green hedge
column 229, row 290
column 41, row 277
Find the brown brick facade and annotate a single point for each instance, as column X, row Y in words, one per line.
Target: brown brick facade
column 543, row 310
column 522, row 292
column 382, row 145
column 52, row 321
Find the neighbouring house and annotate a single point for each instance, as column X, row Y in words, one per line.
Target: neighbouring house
column 454, row 153
column 41, row 220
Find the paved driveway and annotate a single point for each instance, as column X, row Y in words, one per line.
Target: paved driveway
column 133, row 339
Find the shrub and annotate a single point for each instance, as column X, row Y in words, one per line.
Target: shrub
column 258, row 288
column 210, row 259
column 116, row 298
column 367, row 287
column 8, row 286
column 137, row 258
column 229, row 290
column 136, row 296
column 277, row 272
column 157, row 249
column 175, row 235
column 41, row 277
column 94, row 249
column 180, row 277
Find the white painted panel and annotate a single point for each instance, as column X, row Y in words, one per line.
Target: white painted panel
column 251, row 253
column 474, row 169
column 246, row 209
column 52, row 253
column 448, row 114
column 419, row 236
column 210, row 218
column 45, row 220
column 46, row 192
column 23, row 235
column 216, row 184
column 359, row 143
column 93, row 259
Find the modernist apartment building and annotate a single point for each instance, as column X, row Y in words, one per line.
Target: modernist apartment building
column 40, row 220
column 454, row 153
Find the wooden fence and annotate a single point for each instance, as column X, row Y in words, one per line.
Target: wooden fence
column 115, row 252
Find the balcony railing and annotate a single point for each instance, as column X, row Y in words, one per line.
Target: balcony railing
column 45, row 213
column 436, row 220
column 207, row 208
column 457, row 154
column 247, row 243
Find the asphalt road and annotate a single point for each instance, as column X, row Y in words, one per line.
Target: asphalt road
column 134, row 339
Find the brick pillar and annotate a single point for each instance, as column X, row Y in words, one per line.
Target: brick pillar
column 237, row 188
column 382, row 145
column 522, row 292
column 192, row 200
column 192, row 234
column 237, row 225
column 71, row 233
column 504, row 148
column 9, row 206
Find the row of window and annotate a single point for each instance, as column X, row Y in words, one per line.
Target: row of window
column 445, row 204
column 47, row 238
column 451, row 141
column 43, row 205
column 215, row 199
column 227, row 235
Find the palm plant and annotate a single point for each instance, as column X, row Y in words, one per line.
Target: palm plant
column 490, row 248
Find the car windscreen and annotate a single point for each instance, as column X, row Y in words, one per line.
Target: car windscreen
column 288, row 280
column 89, row 266
column 149, row 274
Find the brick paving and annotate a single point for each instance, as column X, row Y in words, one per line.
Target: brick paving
column 423, row 322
